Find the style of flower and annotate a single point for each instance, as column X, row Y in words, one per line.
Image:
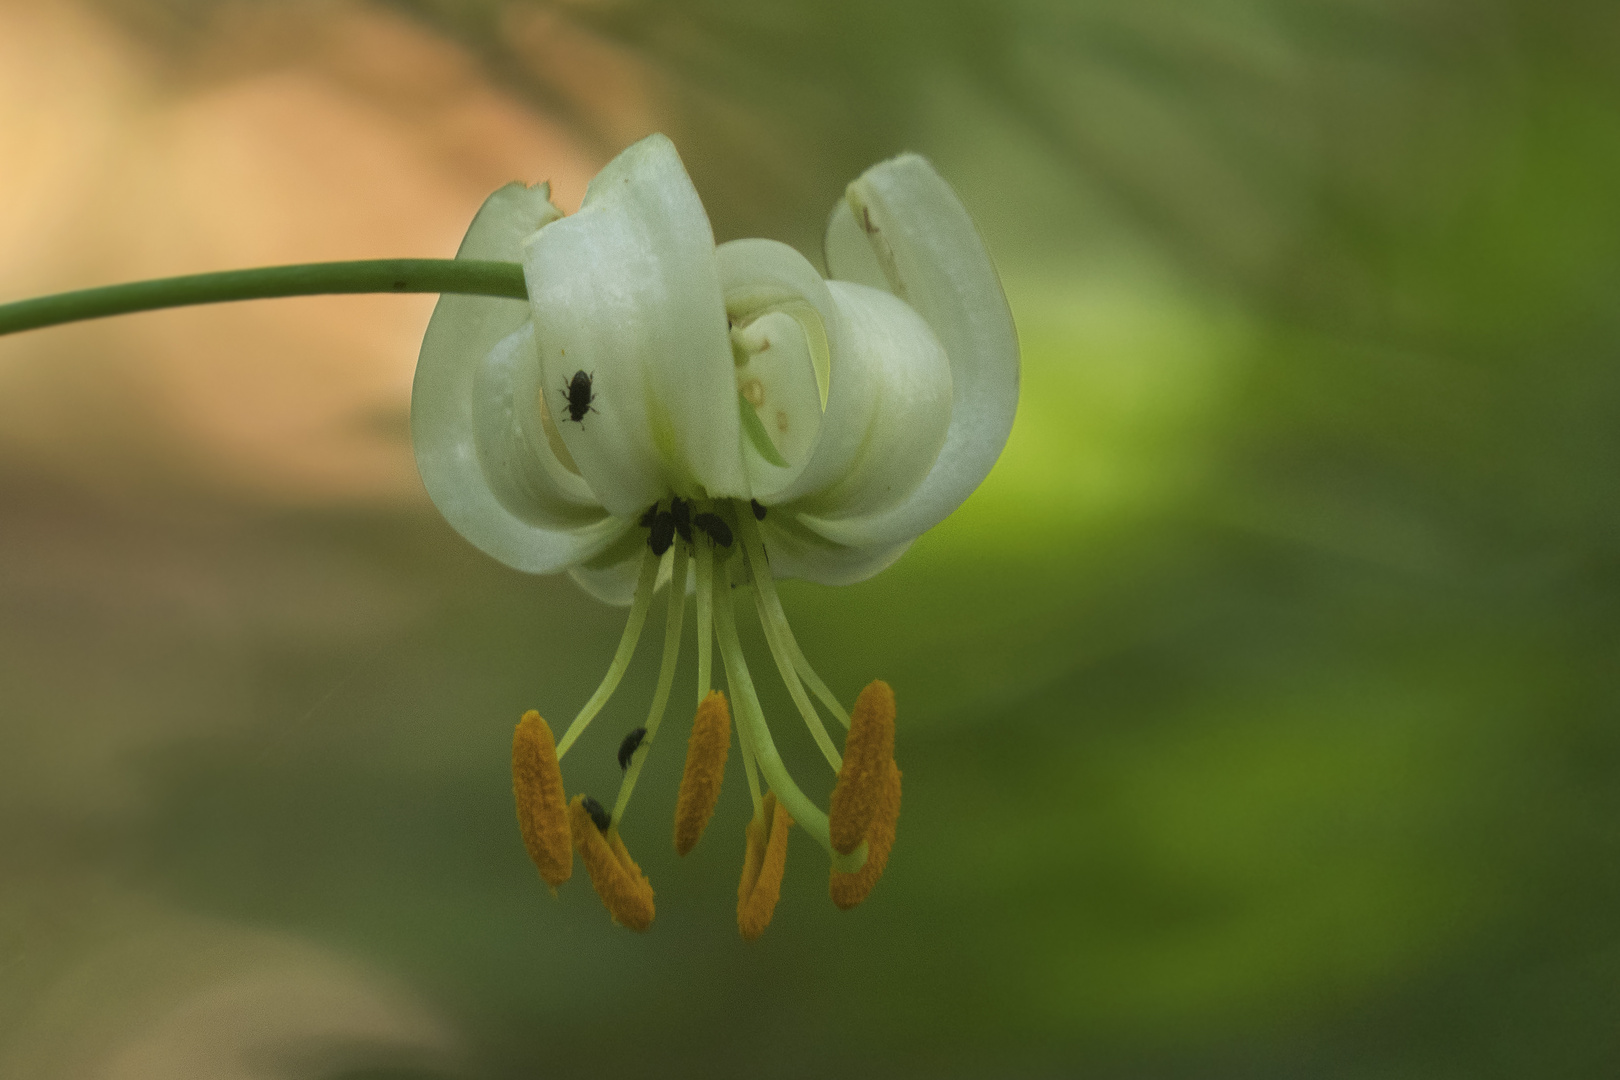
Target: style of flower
column 664, row 410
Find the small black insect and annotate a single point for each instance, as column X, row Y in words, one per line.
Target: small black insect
column 650, row 516
column 602, row 818
column 716, row 527
column 628, row 746
column 681, row 510
column 579, row 396
column 663, row 532
column 759, row 511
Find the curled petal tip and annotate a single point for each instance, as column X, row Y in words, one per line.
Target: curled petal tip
column 537, row 788
column 763, row 864
column 901, row 228
column 847, row 890
column 625, row 891
column 706, row 752
column 868, row 754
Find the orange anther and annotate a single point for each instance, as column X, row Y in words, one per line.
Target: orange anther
column 541, row 805
column 706, row 752
column 868, row 754
column 763, row 863
column 850, row 889
column 624, row 890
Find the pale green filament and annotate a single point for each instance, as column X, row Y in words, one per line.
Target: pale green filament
column 761, row 572
column 758, row 739
column 621, row 659
column 666, row 679
column 772, row 615
column 705, row 618
column 750, row 769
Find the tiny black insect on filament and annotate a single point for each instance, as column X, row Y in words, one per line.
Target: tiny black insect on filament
column 715, row 526
column 628, row 747
column 579, row 396
column 602, row 818
column 681, row 511
column 663, row 532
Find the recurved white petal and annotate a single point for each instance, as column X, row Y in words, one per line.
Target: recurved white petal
column 628, row 291
column 895, row 423
column 611, row 576
column 797, row 551
column 886, row 379
column 900, row 224
column 467, row 413
column 848, row 250
column 765, row 283
column 514, row 432
column 776, row 377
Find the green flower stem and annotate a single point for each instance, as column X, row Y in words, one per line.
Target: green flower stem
column 473, row 277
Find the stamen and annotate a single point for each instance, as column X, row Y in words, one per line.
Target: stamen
column 868, row 752
column 763, row 864
column 621, row 657
column 542, row 811
column 625, row 891
column 706, row 753
column 777, row 618
column 760, row 569
column 666, row 678
column 757, row 736
column 847, row 890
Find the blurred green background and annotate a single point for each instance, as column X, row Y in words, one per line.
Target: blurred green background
column 1258, row 714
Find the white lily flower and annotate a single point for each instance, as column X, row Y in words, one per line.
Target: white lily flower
column 661, row 399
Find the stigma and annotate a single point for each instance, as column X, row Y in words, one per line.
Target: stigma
column 715, row 549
